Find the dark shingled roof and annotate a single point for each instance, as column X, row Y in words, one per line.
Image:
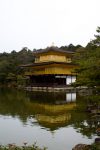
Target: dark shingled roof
column 52, row 48
column 47, row 63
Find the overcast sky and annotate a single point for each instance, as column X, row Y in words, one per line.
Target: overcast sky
column 38, row 23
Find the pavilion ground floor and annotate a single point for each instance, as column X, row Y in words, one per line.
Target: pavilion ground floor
column 51, row 80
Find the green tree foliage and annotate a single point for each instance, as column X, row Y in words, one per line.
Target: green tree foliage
column 71, row 47
column 10, row 64
column 89, row 62
column 96, row 41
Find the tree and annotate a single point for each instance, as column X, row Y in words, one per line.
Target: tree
column 10, row 64
column 96, row 41
column 89, row 62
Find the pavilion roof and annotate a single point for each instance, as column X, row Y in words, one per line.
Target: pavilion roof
column 47, row 63
column 52, row 48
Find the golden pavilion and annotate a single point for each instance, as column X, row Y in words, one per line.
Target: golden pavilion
column 52, row 67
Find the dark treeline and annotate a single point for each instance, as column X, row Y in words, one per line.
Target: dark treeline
column 10, row 65
column 87, row 57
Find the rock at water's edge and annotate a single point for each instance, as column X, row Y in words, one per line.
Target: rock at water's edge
column 81, row 147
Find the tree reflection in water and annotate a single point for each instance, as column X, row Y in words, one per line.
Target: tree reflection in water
column 50, row 110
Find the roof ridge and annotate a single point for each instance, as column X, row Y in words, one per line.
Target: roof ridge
column 52, row 48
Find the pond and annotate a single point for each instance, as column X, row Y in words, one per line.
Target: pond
column 48, row 118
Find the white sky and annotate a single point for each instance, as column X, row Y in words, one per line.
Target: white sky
column 38, row 23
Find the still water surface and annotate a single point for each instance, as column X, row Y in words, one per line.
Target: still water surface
column 49, row 119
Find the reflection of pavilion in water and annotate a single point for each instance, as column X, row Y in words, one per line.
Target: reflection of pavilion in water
column 52, row 97
column 70, row 97
column 50, row 110
column 53, row 109
column 41, row 109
